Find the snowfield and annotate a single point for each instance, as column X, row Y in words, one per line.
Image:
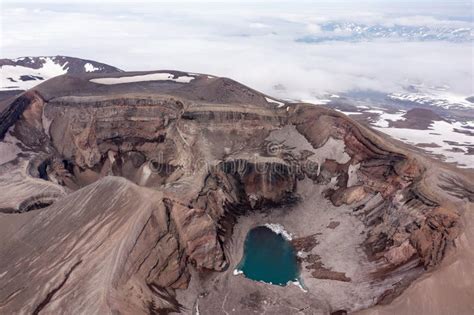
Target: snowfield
column 439, row 139
column 439, row 133
column 438, row 98
column 144, row 77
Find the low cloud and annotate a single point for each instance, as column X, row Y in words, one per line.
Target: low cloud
column 253, row 44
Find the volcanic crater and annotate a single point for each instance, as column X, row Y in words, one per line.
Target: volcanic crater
column 136, row 197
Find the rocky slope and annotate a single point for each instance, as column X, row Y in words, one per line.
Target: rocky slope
column 132, row 193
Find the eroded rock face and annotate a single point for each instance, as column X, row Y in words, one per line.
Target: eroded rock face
column 123, row 195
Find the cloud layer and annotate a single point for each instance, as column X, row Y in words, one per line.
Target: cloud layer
column 253, row 43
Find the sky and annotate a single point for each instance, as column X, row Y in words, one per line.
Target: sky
column 297, row 49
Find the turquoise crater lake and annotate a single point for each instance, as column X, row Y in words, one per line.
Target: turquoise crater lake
column 269, row 257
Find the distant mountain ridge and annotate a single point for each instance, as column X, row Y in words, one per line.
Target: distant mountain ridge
column 23, row 73
column 355, row 32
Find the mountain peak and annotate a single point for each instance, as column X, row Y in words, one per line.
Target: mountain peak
column 23, row 73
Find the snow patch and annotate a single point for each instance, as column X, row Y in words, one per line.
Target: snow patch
column 279, row 229
column 237, row 272
column 271, row 100
column 89, row 67
column 298, row 284
column 349, row 113
column 145, row 77
column 385, row 117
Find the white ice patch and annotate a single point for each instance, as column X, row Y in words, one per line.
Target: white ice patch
column 52, row 69
column 385, row 117
column 298, row 284
column 237, row 272
column 144, row 77
column 348, row 113
column 271, row 100
column 89, row 67
column 279, row 229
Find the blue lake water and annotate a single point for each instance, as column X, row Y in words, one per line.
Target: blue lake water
column 269, row 257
